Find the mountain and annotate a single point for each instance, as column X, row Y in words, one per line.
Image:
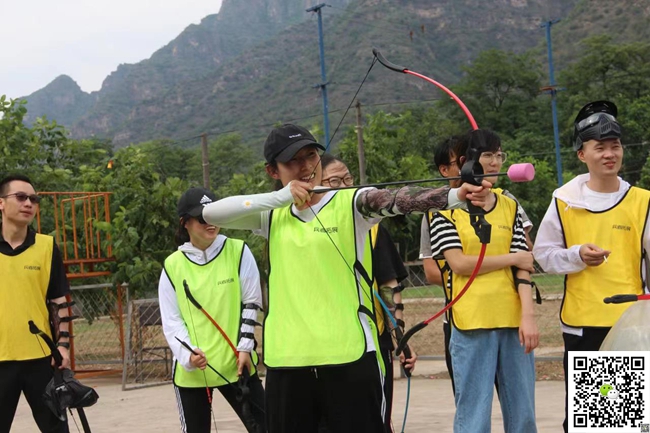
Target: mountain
column 196, row 52
column 62, row 100
column 625, row 21
column 256, row 62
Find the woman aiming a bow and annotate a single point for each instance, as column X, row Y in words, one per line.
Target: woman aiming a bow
column 319, row 336
column 493, row 324
column 219, row 275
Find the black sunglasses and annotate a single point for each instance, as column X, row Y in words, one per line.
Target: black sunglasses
column 22, row 196
column 199, row 218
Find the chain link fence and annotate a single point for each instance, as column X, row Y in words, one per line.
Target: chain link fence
column 98, row 333
column 148, row 359
column 115, row 334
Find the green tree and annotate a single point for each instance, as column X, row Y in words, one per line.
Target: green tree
column 501, row 89
column 227, row 155
column 616, row 72
column 396, row 147
column 144, row 220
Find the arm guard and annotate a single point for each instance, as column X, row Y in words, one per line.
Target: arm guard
column 56, row 320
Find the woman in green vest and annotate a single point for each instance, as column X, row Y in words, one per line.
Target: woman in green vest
column 220, row 275
column 493, row 325
column 319, row 334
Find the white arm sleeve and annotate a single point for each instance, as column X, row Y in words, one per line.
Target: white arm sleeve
column 425, row 238
column 172, row 322
column 453, row 202
column 549, row 249
column 244, row 212
column 251, row 293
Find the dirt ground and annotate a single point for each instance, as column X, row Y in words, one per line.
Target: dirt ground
column 153, row 410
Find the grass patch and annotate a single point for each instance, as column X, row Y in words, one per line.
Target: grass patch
column 423, row 292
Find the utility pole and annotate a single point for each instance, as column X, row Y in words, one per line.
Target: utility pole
column 205, row 162
column 552, row 90
column 323, row 84
column 360, row 150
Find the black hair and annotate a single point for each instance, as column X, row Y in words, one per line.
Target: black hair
column 182, row 235
column 484, row 140
column 327, row 159
column 4, row 183
column 277, row 183
column 442, row 152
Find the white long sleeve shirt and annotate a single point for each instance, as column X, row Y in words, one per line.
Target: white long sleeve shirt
column 172, row 321
column 252, row 212
column 549, row 249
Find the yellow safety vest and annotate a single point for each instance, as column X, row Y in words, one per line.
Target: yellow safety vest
column 444, row 266
column 620, row 230
column 26, row 278
column 216, row 286
column 316, row 304
column 494, row 291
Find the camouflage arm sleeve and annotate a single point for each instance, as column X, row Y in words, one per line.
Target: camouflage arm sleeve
column 379, row 203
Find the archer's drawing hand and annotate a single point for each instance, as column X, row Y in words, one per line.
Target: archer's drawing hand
column 300, row 192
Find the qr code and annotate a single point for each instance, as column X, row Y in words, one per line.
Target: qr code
column 609, row 392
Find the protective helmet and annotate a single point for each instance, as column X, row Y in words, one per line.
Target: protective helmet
column 64, row 391
column 595, row 121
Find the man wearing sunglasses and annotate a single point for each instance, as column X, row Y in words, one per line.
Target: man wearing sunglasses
column 32, row 275
column 595, row 232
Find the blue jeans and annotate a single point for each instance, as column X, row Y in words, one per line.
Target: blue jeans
column 477, row 356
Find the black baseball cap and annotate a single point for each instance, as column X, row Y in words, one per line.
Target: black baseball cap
column 193, row 201
column 285, row 141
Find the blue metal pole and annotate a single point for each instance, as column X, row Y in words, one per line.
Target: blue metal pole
column 551, row 73
column 323, row 76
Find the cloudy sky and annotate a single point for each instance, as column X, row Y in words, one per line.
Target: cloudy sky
column 85, row 39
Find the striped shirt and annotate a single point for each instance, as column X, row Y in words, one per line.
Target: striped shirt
column 445, row 237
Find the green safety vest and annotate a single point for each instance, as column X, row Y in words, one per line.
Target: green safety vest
column 216, row 286
column 316, row 304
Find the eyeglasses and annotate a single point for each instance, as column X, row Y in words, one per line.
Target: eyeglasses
column 592, row 120
column 22, row 196
column 336, row 181
column 489, row 156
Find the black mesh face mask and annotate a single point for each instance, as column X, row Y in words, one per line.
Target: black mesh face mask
column 64, row 391
column 598, row 126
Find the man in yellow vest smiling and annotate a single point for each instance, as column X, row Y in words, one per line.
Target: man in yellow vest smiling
column 32, row 276
column 609, row 257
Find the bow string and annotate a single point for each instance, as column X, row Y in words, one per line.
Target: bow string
column 242, row 390
column 471, row 172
